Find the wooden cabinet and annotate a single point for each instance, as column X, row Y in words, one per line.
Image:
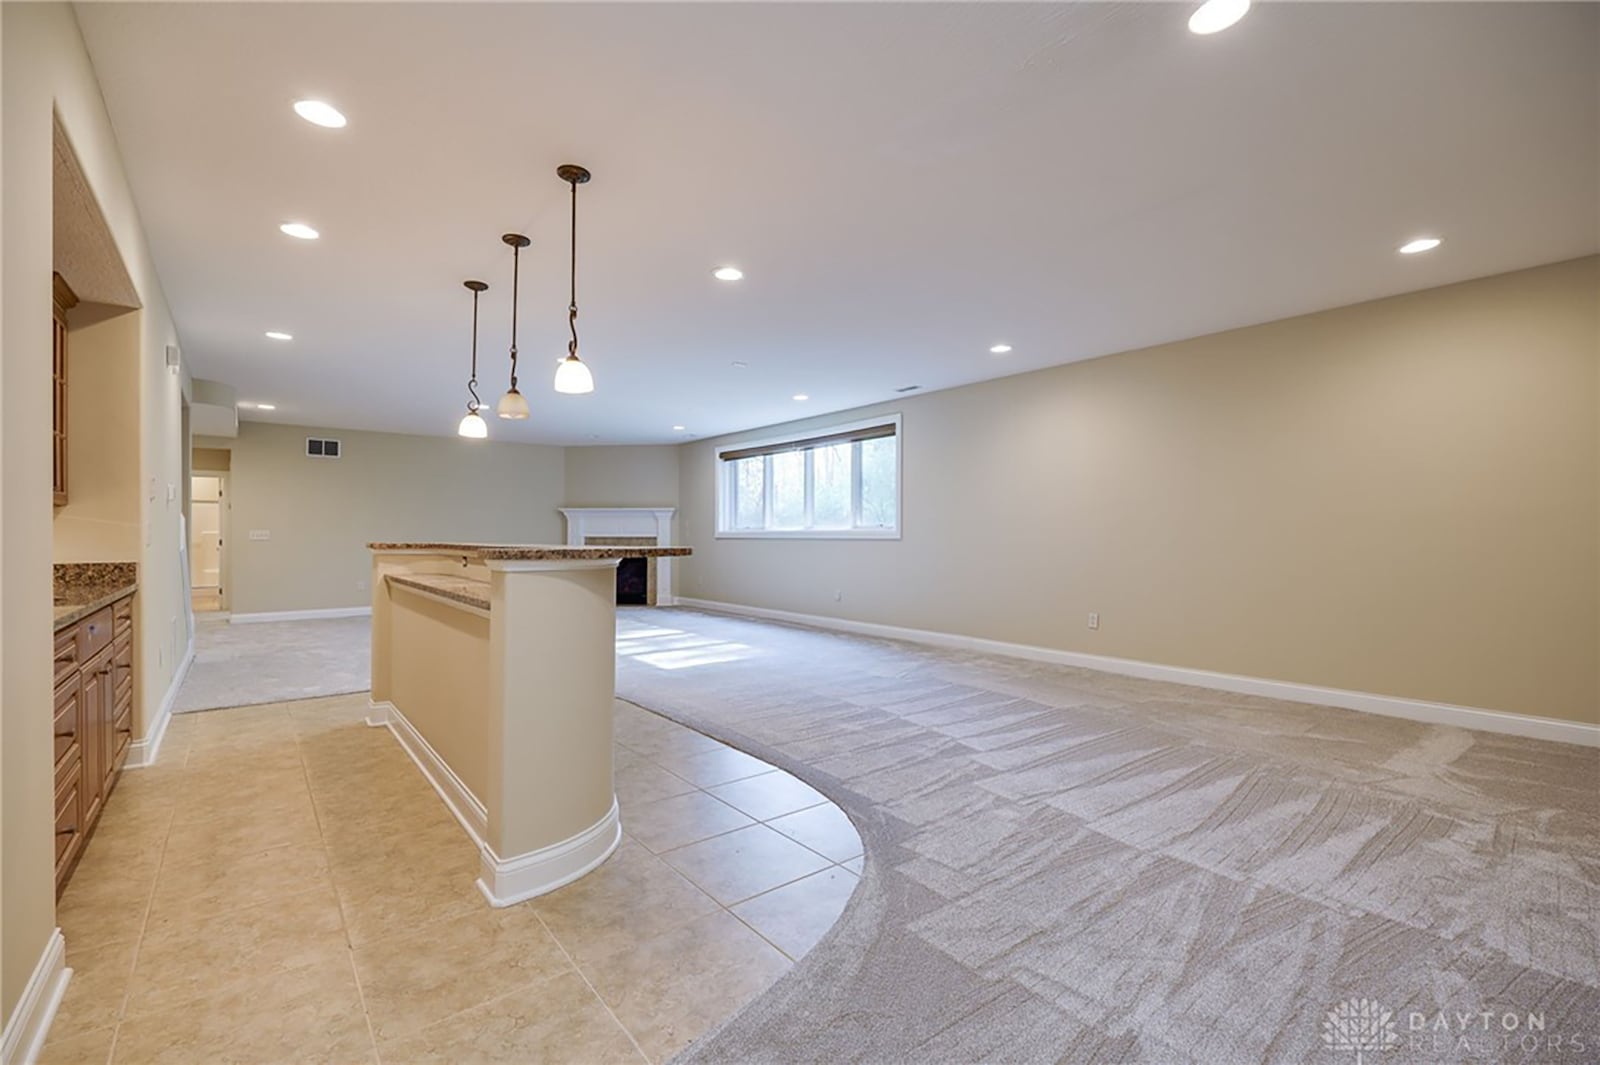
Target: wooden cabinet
column 93, row 724
column 65, row 300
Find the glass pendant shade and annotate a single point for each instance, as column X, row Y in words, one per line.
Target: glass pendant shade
column 512, row 405
column 473, row 427
column 573, row 377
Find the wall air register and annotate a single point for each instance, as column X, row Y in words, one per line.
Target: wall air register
column 317, row 448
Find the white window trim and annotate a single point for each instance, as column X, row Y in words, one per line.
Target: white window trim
column 724, row 499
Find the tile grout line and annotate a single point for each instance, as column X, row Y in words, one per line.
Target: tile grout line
column 338, row 898
column 590, row 985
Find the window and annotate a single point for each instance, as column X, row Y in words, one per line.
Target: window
column 840, row 482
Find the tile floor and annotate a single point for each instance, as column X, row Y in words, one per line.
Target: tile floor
column 285, row 887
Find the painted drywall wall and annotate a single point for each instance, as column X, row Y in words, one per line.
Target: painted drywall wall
column 100, row 521
column 1400, row 497
column 320, row 514
column 637, row 476
column 45, row 70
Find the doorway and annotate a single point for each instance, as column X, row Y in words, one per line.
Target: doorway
column 207, row 517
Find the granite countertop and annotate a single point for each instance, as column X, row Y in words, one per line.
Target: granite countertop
column 79, row 601
column 533, row 552
column 463, row 590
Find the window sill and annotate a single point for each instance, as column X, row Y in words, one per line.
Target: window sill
column 808, row 534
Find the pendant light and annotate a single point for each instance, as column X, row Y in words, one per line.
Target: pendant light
column 512, row 405
column 572, row 376
column 473, row 426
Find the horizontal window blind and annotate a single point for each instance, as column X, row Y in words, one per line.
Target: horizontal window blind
column 870, row 432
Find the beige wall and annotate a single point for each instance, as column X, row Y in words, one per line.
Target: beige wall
column 321, row 513
column 1399, row 497
column 100, row 522
column 46, row 70
column 641, row 476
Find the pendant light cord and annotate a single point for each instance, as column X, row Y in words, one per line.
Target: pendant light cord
column 472, row 382
column 572, row 300
column 516, row 252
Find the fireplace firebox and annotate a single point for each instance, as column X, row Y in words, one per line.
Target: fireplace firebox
column 633, row 582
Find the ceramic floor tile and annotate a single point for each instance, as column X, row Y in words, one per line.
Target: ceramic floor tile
column 556, row 1020
column 633, row 896
column 640, row 781
column 856, row 865
column 670, row 989
column 202, row 887
column 825, row 829
column 307, row 1016
column 77, row 1046
column 99, row 985
column 682, row 819
column 667, row 740
column 795, row 916
column 768, row 795
column 710, row 768
column 734, row 867
column 247, row 831
column 183, row 960
column 384, row 906
column 415, row 978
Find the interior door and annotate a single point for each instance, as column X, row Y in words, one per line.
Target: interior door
column 205, row 533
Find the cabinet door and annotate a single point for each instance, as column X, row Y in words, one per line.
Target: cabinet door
column 96, row 724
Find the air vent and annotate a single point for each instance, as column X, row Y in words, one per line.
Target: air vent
column 321, row 449
column 908, row 388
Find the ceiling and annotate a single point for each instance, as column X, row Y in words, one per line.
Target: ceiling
column 903, row 184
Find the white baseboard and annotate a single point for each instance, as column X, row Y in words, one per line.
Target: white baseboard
column 29, row 1023
column 1540, row 728
column 301, row 615
column 507, row 881
column 143, row 752
column 466, row 807
column 504, row 881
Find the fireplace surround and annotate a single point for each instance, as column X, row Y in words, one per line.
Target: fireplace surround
column 628, row 527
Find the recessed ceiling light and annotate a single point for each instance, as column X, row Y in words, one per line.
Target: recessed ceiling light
column 266, row 406
column 728, row 273
column 1421, row 244
column 677, row 428
column 273, row 334
column 1215, row 15
column 801, row 397
column 300, row 230
column 999, row 349
column 738, row 365
column 319, row 113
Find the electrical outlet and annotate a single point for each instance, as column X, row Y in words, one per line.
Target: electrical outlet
column 1094, row 620
column 361, row 586
column 260, row 534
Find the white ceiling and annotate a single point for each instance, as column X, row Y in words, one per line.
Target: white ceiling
column 904, row 185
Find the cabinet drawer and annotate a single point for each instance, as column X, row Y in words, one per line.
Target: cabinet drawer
column 124, row 741
column 66, row 653
column 122, row 616
column 69, row 724
column 94, row 632
column 69, row 826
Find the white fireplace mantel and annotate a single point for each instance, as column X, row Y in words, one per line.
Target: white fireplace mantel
column 584, row 522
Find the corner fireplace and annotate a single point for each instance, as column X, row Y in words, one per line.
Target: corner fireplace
column 629, row 527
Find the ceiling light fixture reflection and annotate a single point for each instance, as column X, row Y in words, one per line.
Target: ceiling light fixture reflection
column 1214, row 16
column 677, row 428
column 728, row 273
column 266, row 406
column 572, row 376
column 299, row 230
column 801, row 397
column 273, row 334
column 1000, row 349
column 1420, row 245
column 319, row 113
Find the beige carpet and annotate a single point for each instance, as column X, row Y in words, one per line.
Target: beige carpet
column 275, row 662
column 1071, row 866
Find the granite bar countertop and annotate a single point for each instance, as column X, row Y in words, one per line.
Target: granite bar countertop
column 463, row 590
column 532, row 552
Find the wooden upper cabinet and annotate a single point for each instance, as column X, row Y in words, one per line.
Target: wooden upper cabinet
column 65, row 300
